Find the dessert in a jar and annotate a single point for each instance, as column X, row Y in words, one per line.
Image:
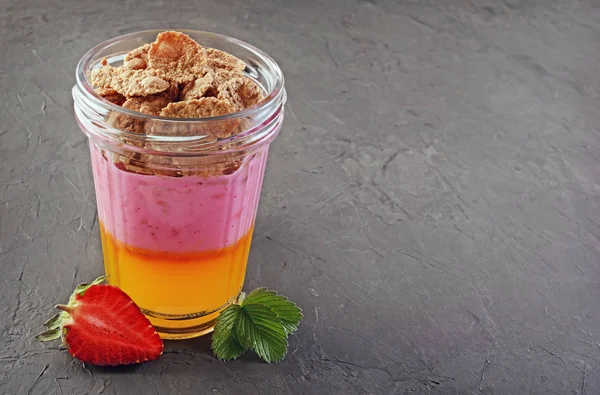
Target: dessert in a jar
column 179, row 135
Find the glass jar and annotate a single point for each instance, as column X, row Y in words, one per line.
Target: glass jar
column 177, row 203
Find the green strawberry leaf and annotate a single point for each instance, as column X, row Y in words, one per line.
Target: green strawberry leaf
column 259, row 328
column 288, row 312
column 260, row 321
column 81, row 288
column 56, row 321
column 224, row 344
column 50, row 334
column 99, row 280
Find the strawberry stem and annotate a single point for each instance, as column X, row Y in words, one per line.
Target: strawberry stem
column 65, row 307
column 240, row 298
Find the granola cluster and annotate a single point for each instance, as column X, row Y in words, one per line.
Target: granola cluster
column 203, row 82
column 176, row 77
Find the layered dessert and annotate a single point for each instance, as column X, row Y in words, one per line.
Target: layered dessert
column 176, row 229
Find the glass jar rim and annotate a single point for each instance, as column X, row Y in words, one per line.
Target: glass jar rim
column 84, row 87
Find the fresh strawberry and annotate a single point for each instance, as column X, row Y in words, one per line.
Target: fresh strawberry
column 101, row 325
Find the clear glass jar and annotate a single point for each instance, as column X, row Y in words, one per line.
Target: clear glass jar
column 176, row 204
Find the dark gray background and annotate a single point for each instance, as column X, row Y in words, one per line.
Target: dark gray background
column 433, row 202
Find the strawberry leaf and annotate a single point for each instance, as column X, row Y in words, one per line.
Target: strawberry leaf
column 260, row 321
column 50, row 334
column 99, row 280
column 259, row 328
column 81, row 288
column 287, row 311
column 227, row 348
column 56, row 321
column 224, row 344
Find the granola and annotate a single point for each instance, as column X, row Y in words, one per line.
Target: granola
column 217, row 59
column 137, row 59
column 179, row 67
column 204, row 107
column 200, row 87
column 130, row 82
column 242, row 92
column 176, row 77
column 180, row 57
column 151, row 105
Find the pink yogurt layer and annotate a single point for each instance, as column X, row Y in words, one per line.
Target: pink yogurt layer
column 179, row 214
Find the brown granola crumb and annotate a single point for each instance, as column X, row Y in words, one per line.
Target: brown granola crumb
column 221, row 76
column 130, row 82
column 205, row 107
column 148, row 105
column 137, row 59
column 242, row 92
column 132, row 166
column 198, row 88
column 115, row 98
column 106, row 91
column 178, row 78
column 126, row 122
column 111, row 95
column 180, row 57
column 173, row 92
column 151, row 105
column 217, row 59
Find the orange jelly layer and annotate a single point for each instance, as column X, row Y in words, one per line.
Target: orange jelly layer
column 170, row 283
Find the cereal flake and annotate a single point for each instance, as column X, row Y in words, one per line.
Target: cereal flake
column 198, row 88
column 151, row 105
column 180, row 57
column 198, row 108
column 204, row 107
column 217, row 59
column 130, row 82
column 242, row 92
column 178, row 78
column 137, row 59
column 115, row 98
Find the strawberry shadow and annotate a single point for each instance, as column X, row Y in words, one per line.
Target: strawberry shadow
column 190, row 351
column 196, row 347
column 199, row 347
column 201, row 343
column 122, row 369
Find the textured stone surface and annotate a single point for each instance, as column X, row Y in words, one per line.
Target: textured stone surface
column 433, row 202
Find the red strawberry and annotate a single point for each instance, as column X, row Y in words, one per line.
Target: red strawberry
column 101, row 325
